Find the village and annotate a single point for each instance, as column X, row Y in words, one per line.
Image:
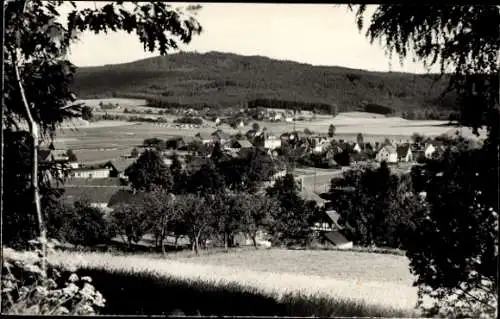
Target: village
column 104, row 184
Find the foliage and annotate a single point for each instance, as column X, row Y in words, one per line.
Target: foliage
column 331, row 130
column 36, row 44
column 130, row 221
column 87, row 227
column 455, row 37
column 148, row 172
column 71, row 156
column 87, row 114
column 290, row 224
column 134, row 153
column 375, row 206
column 461, row 219
column 26, row 291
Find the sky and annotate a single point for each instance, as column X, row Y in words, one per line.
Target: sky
column 317, row 34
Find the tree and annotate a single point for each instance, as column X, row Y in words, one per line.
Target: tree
column 255, row 126
column 331, row 130
column 71, row 156
column 360, row 140
column 38, row 76
column 417, row 138
column 149, row 171
column 87, row 114
column 88, row 227
column 130, row 222
column 159, row 207
column 255, row 210
column 134, row 153
column 291, row 223
column 192, row 211
column 454, row 37
column 225, row 214
column 207, row 180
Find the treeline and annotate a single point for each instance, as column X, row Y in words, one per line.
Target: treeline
column 293, row 105
column 377, row 108
column 430, row 114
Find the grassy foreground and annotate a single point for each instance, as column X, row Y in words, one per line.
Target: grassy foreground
column 142, row 285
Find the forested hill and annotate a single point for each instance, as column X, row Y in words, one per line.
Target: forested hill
column 222, row 79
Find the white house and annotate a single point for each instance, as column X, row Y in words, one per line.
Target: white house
column 387, row 153
column 357, row 148
column 429, row 150
column 91, row 172
column 272, row 142
column 289, row 119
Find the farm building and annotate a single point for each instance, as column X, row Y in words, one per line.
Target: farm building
column 272, row 142
column 92, row 171
column 404, row 153
column 388, row 154
column 329, row 231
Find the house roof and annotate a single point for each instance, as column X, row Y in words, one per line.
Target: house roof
column 92, row 167
column 389, row 149
column 308, row 194
column 44, row 154
column 108, row 182
column 335, row 237
column 402, row 150
column 122, row 163
column 121, row 196
column 245, row 143
column 95, row 194
column 334, row 216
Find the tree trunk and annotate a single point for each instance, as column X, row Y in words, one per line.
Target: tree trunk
column 254, row 240
column 176, row 238
column 225, row 241
column 34, row 168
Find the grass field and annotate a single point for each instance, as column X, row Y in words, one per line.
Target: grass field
column 345, row 283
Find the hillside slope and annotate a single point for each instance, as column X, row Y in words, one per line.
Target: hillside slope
column 223, row 79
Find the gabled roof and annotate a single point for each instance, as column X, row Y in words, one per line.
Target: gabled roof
column 44, row 155
column 86, row 182
column 402, row 150
column 389, row 148
column 92, row 167
column 122, row 163
column 335, row 237
column 334, row 216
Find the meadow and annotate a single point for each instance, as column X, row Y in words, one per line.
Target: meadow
column 261, row 282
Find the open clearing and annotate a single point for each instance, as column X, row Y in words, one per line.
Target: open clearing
column 372, row 278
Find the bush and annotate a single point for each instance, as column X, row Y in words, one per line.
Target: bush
column 26, row 290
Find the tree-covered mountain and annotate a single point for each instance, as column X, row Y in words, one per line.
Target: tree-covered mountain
column 223, row 79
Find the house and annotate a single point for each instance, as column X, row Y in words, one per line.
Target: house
column 240, row 145
column 272, row 142
column 221, row 137
column 357, row 148
column 328, row 221
column 329, row 231
column 429, row 150
column 204, row 138
column 404, row 153
column 388, row 154
column 93, row 171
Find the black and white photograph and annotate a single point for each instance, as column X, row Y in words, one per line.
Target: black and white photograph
column 250, row 159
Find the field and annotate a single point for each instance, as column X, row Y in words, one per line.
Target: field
column 350, row 283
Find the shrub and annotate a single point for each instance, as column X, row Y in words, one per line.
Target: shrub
column 26, row 290
column 189, row 120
